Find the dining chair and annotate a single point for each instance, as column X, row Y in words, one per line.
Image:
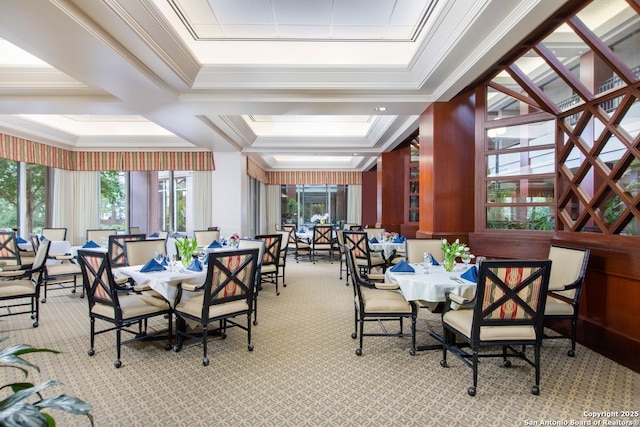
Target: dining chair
column 416, row 248
column 24, row 283
column 568, row 270
column 260, row 246
column 100, row 235
column 227, row 293
column 117, row 250
column 62, row 271
column 134, row 230
column 270, row 259
column 123, row 310
column 9, row 251
column 507, row 311
column 291, row 246
column 139, row 252
column 378, row 302
column 282, row 260
column 374, row 232
column 342, row 252
column 205, row 237
column 322, row 241
column 59, row 233
column 367, row 261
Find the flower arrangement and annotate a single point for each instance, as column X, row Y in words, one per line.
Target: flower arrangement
column 453, row 250
column 186, row 247
column 320, row 218
column 233, row 240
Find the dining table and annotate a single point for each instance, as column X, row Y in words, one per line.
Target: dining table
column 387, row 248
column 429, row 286
column 165, row 282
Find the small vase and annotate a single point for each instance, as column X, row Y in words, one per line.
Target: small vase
column 186, row 260
column 449, row 264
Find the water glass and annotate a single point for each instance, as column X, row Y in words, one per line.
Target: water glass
column 202, row 256
column 466, row 261
column 427, row 261
column 159, row 257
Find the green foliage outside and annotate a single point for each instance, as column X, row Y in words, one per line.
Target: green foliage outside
column 113, row 203
column 35, row 192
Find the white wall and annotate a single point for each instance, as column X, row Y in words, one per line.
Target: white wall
column 230, row 194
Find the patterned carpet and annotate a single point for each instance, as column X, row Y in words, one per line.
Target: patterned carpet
column 304, row 371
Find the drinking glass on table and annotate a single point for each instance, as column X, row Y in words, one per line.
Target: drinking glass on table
column 159, row 257
column 202, row 256
column 427, row 262
column 466, row 260
column 172, row 262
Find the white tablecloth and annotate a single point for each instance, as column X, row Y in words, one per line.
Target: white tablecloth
column 431, row 287
column 164, row 282
column 386, row 247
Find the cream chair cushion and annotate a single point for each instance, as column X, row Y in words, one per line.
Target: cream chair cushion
column 132, row 306
column 556, row 307
column 565, row 268
column 461, row 320
column 16, row 288
column 193, row 306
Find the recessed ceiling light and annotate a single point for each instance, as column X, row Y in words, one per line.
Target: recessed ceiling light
column 380, row 108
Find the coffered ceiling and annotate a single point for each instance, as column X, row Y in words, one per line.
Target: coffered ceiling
column 294, row 84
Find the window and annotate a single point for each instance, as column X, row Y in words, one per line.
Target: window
column 310, row 204
column 113, row 200
column 172, row 198
column 23, row 196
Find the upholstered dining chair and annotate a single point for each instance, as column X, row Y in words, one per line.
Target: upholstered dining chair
column 365, row 259
column 62, row 271
column 22, row 284
column 284, row 249
column 9, row 251
column 291, row 229
column 322, row 241
column 59, row 233
column 260, row 246
column 378, row 302
column 117, row 250
column 123, row 310
column 134, row 230
column 507, row 311
column 568, row 269
column 343, row 257
column 374, row 232
column 299, row 246
column 226, row 294
column 270, row 259
column 205, row 237
column 415, row 249
column 100, row 235
column 139, row 252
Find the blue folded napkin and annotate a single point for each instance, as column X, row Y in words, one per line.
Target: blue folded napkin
column 195, row 265
column 20, row 240
column 434, row 261
column 471, row 274
column 91, row 244
column 155, row 235
column 215, row 244
column 373, row 240
column 152, row 265
column 399, row 239
column 402, row 267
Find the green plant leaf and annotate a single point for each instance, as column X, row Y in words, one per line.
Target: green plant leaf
column 69, row 404
column 23, row 414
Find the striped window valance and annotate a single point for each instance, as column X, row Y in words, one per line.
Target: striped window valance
column 315, row 177
column 256, row 172
column 23, row 150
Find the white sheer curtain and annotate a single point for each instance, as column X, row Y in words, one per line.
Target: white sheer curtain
column 262, row 200
column 274, row 215
column 202, row 200
column 76, row 206
column 354, row 204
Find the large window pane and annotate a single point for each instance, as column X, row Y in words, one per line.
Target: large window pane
column 36, row 197
column 521, row 163
column 310, row 204
column 8, row 193
column 113, row 200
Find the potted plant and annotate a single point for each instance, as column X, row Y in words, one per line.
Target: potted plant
column 15, row 411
